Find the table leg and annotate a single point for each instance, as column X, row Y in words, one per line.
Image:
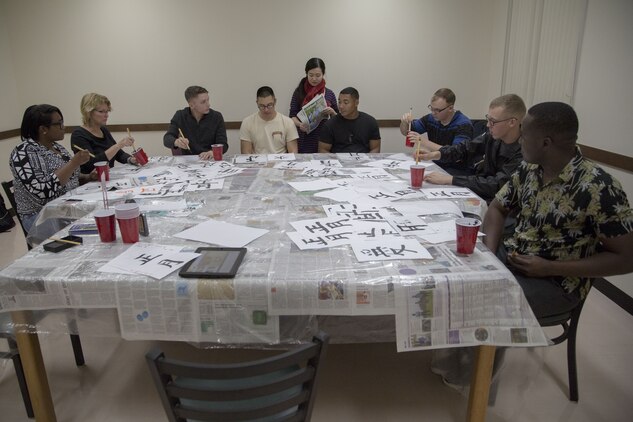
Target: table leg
column 480, row 384
column 34, row 370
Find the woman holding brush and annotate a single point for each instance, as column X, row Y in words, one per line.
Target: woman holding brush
column 42, row 169
column 94, row 137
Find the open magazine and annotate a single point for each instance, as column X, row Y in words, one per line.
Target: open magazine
column 310, row 113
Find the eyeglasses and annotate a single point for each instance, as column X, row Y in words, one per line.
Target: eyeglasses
column 60, row 124
column 265, row 106
column 102, row 111
column 493, row 122
column 438, row 110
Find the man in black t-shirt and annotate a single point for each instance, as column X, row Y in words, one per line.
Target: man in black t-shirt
column 350, row 130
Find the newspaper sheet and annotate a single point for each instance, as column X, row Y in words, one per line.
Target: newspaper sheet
column 310, row 113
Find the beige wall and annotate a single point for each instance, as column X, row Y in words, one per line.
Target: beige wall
column 143, row 53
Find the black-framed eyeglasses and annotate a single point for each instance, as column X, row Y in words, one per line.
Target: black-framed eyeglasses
column 493, row 122
column 437, row 110
column 60, row 124
column 265, row 106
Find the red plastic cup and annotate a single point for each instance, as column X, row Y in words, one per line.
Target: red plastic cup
column 141, row 157
column 417, row 175
column 217, row 151
column 106, row 225
column 103, row 167
column 467, row 229
column 127, row 217
column 408, row 142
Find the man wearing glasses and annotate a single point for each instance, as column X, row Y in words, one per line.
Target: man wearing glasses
column 499, row 146
column 443, row 125
column 267, row 131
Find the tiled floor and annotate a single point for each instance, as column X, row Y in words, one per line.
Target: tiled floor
column 362, row 382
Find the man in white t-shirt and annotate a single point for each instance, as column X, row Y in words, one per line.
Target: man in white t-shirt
column 267, row 131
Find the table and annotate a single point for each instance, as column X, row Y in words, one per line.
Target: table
column 278, row 290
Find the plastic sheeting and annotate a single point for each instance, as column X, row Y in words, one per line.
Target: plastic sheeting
column 274, row 298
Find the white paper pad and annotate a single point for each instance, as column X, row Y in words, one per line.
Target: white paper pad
column 222, row 233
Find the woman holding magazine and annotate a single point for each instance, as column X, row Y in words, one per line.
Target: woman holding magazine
column 309, row 87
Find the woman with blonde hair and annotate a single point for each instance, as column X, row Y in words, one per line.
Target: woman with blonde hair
column 94, row 137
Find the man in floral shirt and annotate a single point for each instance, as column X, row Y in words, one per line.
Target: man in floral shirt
column 574, row 221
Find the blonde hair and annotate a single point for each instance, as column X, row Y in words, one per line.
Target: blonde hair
column 89, row 103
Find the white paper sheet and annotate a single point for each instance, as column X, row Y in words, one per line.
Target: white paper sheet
column 312, row 185
column 281, row 157
column 156, row 261
column 389, row 248
column 222, row 233
column 448, row 192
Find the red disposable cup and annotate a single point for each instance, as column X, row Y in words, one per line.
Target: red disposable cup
column 408, row 142
column 417, row 175
column 467, row 229
column 103, row 167
column 127, row 216
column 106, row 225
column 217, row 151
column 141, row 157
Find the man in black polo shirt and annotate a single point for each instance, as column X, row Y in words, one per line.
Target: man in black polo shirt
column 350, row 130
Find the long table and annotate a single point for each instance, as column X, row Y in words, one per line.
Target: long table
column 280, row 292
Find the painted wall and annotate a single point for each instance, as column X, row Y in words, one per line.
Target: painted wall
column 142, row 54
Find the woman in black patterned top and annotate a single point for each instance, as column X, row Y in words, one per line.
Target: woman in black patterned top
column 42, row 169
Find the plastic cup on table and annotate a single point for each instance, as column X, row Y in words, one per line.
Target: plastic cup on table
column 106, row 226
column 417, row 176
column 127, row 216
column 103, row 167
column 217, row 151
column 141, row 157
column 467, row 229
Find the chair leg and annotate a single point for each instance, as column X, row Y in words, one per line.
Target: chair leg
column 572, row 367
column 19, row 373
column 77, row 350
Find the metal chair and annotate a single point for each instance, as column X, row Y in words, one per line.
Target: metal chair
column 569, row 323
column 74, row 338
column 278, row 388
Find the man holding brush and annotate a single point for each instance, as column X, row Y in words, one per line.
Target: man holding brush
column 443, row 126
column 499, row 146
column 195, row 128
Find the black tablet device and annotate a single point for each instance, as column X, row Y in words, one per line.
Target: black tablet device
column 214, row 263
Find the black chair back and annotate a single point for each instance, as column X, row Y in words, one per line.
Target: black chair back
column 9, row 191
column 281, row 387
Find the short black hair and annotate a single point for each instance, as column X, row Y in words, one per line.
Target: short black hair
column 265, row 91
column 351, row 91
column 555, row 120
column 35, row 116
column 193, row 91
